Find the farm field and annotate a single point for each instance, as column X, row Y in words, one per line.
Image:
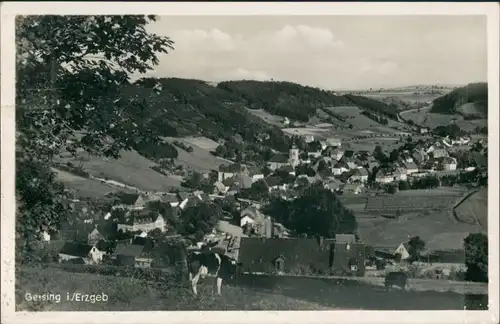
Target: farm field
column 359, row 121
column 202, row 142
column 406, row 96
column 249, row 293
column 474, row 209
column 199, row 160
column 411, row 202
column 387, row 144
column 130, row 169
column 433, row 120
column 267, row 117
column 86, row 187
column 438, row 229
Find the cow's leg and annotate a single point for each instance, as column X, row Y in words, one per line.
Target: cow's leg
column 194, row 282
column 219, row 285
column 190, row 276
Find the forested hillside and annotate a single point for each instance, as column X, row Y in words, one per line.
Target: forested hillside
column 469, row 100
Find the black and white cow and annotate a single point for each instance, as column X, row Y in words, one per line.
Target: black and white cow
column 209, row 263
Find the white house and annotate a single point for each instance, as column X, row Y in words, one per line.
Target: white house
column 144, row 220
column 251, row 215
column 89, row 254
column 339, row 168
column 384, row 177
column 449, row 164
column 257, row 177
column 308, row 138
column 400, row 174
column 402, row 250
column 316, row 154
column 352, row 165
column 361, row 174
column 439, row 153
column 335, row 142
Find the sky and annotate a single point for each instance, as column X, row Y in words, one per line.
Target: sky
column 330, row 52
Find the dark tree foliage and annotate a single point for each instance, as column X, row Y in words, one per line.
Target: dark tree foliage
column 476, row 257
column 317, row 211
column 472, row 93
column 374, row 106
column 416, row 244
column 201, row 218
column 283, row 98
column 71, row 71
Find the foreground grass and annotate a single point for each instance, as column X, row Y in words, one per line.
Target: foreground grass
column 249, row 293
column 138, row 295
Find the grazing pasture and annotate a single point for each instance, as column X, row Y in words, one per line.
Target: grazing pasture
column 267, row 117
column 409, row 203
column 247, row 293
column 410, row 97
column 202, row 142
column 432, row 120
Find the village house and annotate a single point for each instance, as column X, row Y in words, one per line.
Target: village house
column 449, row 164
column 334, row 152
column 360, row 175
column 275, row 183
column 411, row 168
column 258, row 176
column 288, row 169
column 255, row 220
column 352, row 188
column 444, row 261
column 134, row 255
column 351, row 164
column 384, row 176
column 300, row 256
column 80, row 253
column 339, row 168
column 220, row 188
column 439, row 153
column 335, row 142
column 277, row 161
column 308, row 138
column 222, row 175
column 143, row 220
column 332, row 184
column 400, row 174
column 315, row 154
column 403, row 251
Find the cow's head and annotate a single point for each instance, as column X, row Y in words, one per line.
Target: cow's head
column 231, row 266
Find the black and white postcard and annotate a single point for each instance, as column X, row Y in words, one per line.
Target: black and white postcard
column 186, row 162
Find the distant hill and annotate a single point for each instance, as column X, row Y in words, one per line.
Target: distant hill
column 470, row 101
column 283, row 98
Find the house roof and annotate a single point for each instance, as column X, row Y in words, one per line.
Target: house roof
column 253, row 213
column 450, row 256
column 142, row 216
column 76, row 249
column 286, row 168
column 410, row 165
column 128, row 198
column 351, row 186
column 348, row 153
column 279, row 158
column 362, row 172
column 219, row 186
column 132, row 250
column 169, row 198
column 183, row 195
column 243, row 180
column 273, row 181
column 345, row 238
column 259, row 254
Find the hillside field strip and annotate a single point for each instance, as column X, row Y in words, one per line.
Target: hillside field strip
column 359, row 121
column 406, row 96
column 267, row 117
column 130, row 168
column 474, row 209
column 432, row 120
column 248, row 293
column 200, row 159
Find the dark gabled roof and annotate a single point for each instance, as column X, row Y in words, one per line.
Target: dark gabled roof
column 76, row 249
column 345, row 238
column 450, row 256
column 361, row 172
column 183, row 195
column 279, row 158
column 273, row 181
column 259, row 254
column 128, row 198
column 132, row 250
column 348, row 153
column 286, row 168
column 229, row 181
column 169, row 198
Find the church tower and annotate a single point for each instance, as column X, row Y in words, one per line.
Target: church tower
column 293, row 156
